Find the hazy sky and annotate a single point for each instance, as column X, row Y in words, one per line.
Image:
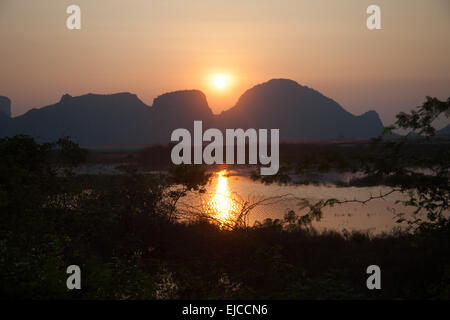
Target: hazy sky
column 151, row 47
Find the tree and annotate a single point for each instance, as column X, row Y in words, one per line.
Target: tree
column 396, row 162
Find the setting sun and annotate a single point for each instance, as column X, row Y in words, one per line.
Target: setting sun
column 220, row 81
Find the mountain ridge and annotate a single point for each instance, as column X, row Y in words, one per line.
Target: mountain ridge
column 300, row 112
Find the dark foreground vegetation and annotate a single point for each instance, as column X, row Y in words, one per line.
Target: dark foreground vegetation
column 125, row 233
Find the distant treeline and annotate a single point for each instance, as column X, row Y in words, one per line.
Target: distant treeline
column 157, row 157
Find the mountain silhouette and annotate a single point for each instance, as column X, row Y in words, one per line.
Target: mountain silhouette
column 116, row 119
column 444, row 131
column 300, row 113
column 179, row 109
column 90, row 119
column 5, row 106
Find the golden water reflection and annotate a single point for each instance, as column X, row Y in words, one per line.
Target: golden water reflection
column 221, row 205
column 228, row 195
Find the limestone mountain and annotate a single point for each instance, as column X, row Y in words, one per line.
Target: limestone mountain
column 301, row 113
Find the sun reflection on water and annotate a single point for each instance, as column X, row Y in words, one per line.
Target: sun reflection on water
column 221, row 205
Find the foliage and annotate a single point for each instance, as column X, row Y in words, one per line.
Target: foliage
column 422, row 176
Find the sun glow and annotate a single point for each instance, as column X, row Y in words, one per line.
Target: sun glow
column 220, row 81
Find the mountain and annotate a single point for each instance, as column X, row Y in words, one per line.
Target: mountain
column 179, row 109
column 90, row 119
column 116, row 119
column 444, row 131
column 5, row 106
column 5, row 116
column 300, row 113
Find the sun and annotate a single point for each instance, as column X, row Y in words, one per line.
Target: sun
column 220, row 81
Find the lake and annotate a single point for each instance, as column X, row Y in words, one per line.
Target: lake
column 228, row 190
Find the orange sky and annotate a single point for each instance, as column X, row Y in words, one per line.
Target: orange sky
column 151, row 47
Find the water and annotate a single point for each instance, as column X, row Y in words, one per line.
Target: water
column 227, row 193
